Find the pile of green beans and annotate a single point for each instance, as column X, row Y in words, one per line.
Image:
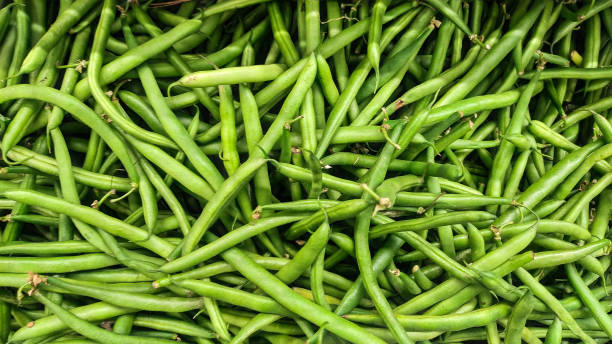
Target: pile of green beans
column 268, row 171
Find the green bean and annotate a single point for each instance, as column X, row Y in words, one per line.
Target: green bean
column 176, row 60
column 229, row 240
column 50, row 248
column 554, row 59
column 542, row 131
column 212, row 270
column 301, row 205
column 374, row 50
column 488, row 262
column 253, row 133
column 409, row 199
column 219, row 58
column 458, row 35
column 451, row 322
column 123, row 324
column 604, row 125
column 5, row 315
column 139, row 106
column 391, row 84
column 49, row 165
column 5, row 14
column 414, row 167
column 599, row 226
column 256, row 323
column 506, row 149
column 301, row 26
column 132, row 300
column 46, row 77
column 281, row 36
column 554, row 258
column 77, row 109
column 36, row 219
column 54, row 34
column 169, row 197
column 90, row 330
column 362, row 251
column 525, row 334
column 228, row 76
column 388, row 189
column 534, row 332
column 231, row 160
column 94, row 217
column 334, row 24
column 535, row 42
column 328, row 85
column 13, row 229
column 334, row 213
column 56, row 264
column 467, row 176
column 477, row 247
column 448, row 12
column 175, row 129
column 147, row 196
column 86, row 21
column 588, row 262
column 134, row 57
column 546, row 226
column 582, row 14
column 246, row 170
column 316, row 280
column 309, row 123
column 492, row 282
column 421, row 278
column 417, row 120
column 596, row 156
column 326, row 49
column 115, row 275
column 592, row 43
column 22, row 24
column 553, row 335
column 553, row 177
column 437, row 256
column 347, row 134
column 70, row 76
column 38, row 13
column 574, row 73
column 512, row 185
column 472, row 144
column 9, row 41
column 356, row 80
column 431, row 222
column 234, row 296
column 493, row 57
column 293, row 301
column 239, row 319
column 138, row 287
column 174, row 168
column 589, row 299
column 68, row 187
column 305, row 256
column 587, row 196
column 380, row 260
column 540, row 292
column 168, row 324
column 582, row 113
column 148, row 252
column 430, row 86
column 93, row 77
